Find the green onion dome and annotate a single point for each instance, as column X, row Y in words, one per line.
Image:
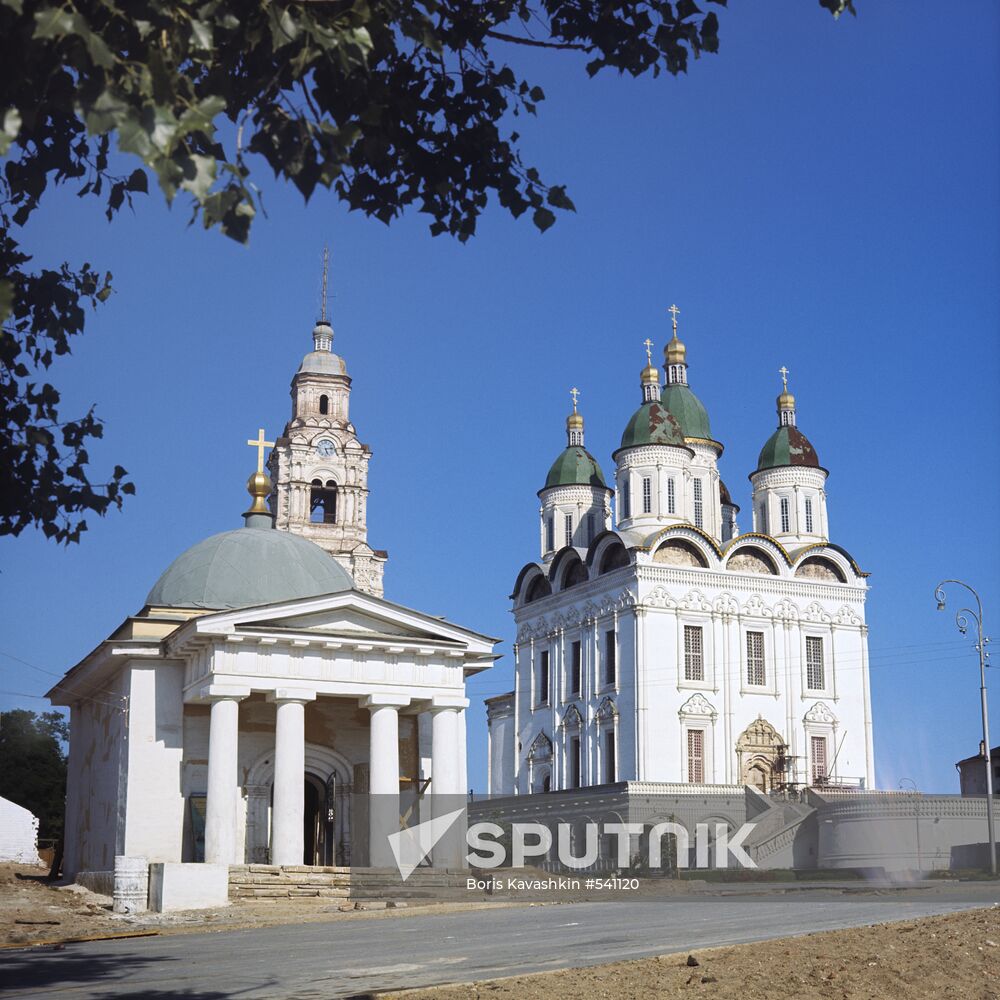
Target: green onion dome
column 575, row 467
column 652, row 423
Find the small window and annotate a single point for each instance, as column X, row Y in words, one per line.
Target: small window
column 568, row 522
column 591, row 528
column 626, row 500
column 550, row 533
column 671, row 497
column 574, row 762
column 543, row 677
column 817, row 753
column 647, row 495
column 762, row 519
column 610, row 658
column 694, row 662
column 698, row 505
column 809, row 515
column 574, row 669
column 696, row 756
column 784, row 514
column 756, row 675
column 324, row 404
column 815, row 675
column 610, row 764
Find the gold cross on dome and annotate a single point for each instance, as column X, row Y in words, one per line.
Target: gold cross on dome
column 260, row 444
column 649, row 350
column 575, row 393
column 673, row 310
column 783, row 372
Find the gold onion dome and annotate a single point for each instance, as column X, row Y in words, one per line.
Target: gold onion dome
column 650, row 374
column 675, row 352
column 574, row 422
column 786, row 401
column 259, row 487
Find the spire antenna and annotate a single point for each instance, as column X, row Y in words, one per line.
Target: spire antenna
column 326, row 275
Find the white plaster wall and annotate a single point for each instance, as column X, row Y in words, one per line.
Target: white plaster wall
column 18, row 834
column 154, row 811
column 98, row 773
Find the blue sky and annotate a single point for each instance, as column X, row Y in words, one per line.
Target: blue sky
column 820, row 195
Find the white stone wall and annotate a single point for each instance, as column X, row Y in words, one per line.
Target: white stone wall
column 18, row 834
column 154, row 805
column 97, row 781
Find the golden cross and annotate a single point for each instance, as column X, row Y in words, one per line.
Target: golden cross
column 673, row 310
column 260, row 444
column 575, row 393
column 326, row 271
column 649, row 350
column 783, row 372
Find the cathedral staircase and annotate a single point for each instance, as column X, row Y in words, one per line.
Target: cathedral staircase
column 780, row 822
column 312, row 882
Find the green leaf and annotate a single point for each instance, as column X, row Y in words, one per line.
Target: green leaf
column 199, row 175
column 53, row 22
column 6, row 298
column 11, row 127
column 137, row 181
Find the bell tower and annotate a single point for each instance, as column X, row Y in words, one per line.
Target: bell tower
column 320, row 468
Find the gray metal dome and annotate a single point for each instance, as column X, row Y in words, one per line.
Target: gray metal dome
column 246, row 567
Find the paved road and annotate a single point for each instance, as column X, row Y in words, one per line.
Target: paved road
column 350, row 957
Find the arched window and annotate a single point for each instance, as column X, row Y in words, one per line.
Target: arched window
column 323, row 502
column 324, row 404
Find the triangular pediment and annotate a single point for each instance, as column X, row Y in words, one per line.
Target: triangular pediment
column 351, row 615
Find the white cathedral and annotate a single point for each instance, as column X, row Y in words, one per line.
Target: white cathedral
column 669, row 647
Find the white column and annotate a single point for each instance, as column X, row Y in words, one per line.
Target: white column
column 383, row 776
column 448, row 778
column 223, row 747
column 289, row 775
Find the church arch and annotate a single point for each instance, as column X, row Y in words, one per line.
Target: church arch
column 325, row 770
column 537, row 589
column 680, row 552
column 531, row 585
column 323, row 501
column 614, row 556
column 567, row 570
column 820, row 568
column 752, row 559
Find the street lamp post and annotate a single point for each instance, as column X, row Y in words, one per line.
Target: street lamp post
column 962, row 617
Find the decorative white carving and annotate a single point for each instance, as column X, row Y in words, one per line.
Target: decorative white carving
column 541, row 748
column 695, row 600
column 847, row 616
column 786, row 610
column 606, row 710
column 820, row 713
column 698, row 705
column 815, row 613
column 659, row 597
column 726, row 604
column 572, row 718
column 756, row 608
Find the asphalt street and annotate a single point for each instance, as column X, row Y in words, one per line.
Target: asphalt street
column 346, row 958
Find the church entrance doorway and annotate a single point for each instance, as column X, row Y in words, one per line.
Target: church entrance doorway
column 761, row 752
column 319, row 838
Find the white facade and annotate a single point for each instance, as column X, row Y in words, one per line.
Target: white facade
column 674, row 649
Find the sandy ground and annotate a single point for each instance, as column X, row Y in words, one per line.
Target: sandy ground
column 33, row 910
column 953, row 956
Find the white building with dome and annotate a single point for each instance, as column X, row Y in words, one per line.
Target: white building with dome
column 667, row 646
column 265, row 690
